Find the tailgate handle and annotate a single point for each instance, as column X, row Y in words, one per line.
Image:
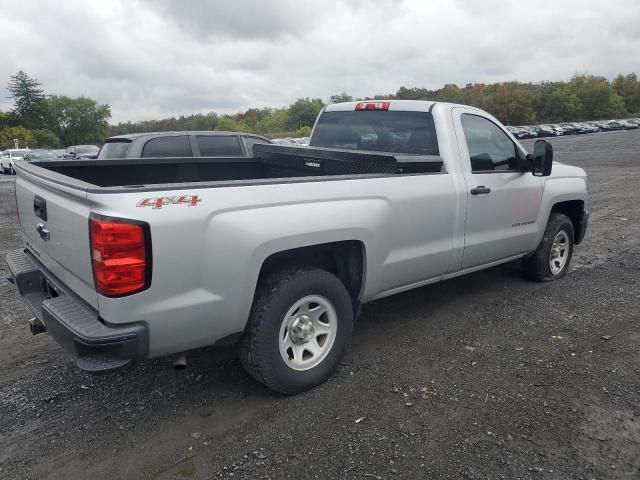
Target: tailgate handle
column 44, row 233
column 40, row 207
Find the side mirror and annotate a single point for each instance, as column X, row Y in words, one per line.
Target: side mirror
column 542, row 159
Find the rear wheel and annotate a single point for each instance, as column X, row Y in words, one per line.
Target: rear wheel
column 299, row 328
column 551, row 259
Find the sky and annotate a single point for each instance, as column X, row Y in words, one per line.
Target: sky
column 152, row 59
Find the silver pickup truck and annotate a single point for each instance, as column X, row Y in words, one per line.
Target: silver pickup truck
column 130, row 259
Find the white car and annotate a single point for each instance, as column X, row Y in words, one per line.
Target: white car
column 8, row 156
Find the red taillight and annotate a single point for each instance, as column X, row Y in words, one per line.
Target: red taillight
column 120, row 255
column 372, row 105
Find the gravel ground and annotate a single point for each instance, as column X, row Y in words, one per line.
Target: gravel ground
column 483, row 377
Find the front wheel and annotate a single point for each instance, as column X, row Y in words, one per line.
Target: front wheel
column 551, row 259
column 298, row 330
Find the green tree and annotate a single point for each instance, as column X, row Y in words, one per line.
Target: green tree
column 28, row 99
column 45, row 139
column 628, row 87
column 598, row 98
column 199, row 122
column 554, row 102
column 77, row 120
column 23, row 135
column 303, row 113
column 5, row 120
column 511, row 103
column 226, row 124
column 339, row 98
column 275, row 122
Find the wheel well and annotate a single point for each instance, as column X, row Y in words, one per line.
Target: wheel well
column 572, row 209
column 344, row 259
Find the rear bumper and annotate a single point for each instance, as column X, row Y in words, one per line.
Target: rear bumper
column 582, row 228
column 97, row 346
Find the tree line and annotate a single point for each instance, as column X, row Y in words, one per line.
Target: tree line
column 38, row 119
column 583, row 97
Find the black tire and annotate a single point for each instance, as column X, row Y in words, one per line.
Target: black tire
column 536, row 267
column 259, row 347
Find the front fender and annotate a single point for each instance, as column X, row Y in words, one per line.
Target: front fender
column 561, row 188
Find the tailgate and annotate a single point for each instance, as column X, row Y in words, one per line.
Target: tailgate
column 55, row 226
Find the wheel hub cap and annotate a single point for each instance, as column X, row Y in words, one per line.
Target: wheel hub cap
column 307, row 332
column 559, row 252
column 301, row 330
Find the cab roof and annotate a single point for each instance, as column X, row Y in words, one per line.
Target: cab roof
column 133, row 136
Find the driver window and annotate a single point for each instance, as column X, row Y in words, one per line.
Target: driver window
column 490, row 149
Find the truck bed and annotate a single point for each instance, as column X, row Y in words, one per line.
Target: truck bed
column 269, row 162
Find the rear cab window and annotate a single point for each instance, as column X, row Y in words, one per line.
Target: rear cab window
column 410, row 135
column 174, row 146
column 115, row 149
column 404, row 132
column 219, row 145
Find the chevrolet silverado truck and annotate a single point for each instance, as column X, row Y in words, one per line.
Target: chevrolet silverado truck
column 136, row 258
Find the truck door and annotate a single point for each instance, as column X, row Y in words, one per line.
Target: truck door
column 503, row 203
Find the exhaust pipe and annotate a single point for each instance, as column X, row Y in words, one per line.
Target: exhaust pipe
column 180, row 361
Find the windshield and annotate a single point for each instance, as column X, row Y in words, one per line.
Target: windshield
column 410, row 133
column 114, row 149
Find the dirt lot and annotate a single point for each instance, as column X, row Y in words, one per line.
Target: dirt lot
column 486, row 376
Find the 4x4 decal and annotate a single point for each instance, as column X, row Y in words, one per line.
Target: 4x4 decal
column 159, row 202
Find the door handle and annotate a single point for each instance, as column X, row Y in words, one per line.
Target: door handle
column 44, row 233
column 480, row 190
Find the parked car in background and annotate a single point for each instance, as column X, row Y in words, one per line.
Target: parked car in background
column 565, row 130
column 181, row 144
column 81, row 151
column 40, row 155
column 545, row 131
column 570, row 129
column 588, row 128
column 614, row 125
column 518, row 132
column 8, row 157
column 286, row 141
column 59, row 152
column 302, row 141
column 557, row 130
column 628, row 125
column 531, row 133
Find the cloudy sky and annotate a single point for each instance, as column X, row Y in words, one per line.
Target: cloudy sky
column 159, row 58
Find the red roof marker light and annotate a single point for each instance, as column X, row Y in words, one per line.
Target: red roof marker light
column 372, row 105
